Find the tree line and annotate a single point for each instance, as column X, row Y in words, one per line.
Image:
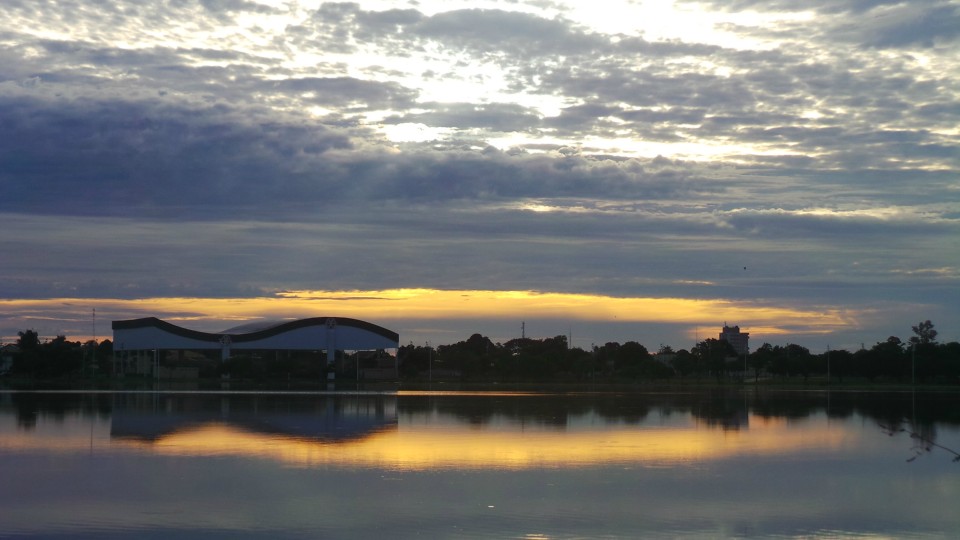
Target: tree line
column 921, row 358
column 58, row 358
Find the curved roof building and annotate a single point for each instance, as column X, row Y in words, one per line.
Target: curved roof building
column 316, row 333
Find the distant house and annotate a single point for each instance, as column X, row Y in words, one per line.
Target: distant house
column 737, row 339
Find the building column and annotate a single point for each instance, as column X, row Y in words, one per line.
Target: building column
column 225, row 343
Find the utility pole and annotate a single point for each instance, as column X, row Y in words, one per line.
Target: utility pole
column 93, row 354
column 913, row 363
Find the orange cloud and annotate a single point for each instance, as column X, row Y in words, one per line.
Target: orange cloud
column 426, row 304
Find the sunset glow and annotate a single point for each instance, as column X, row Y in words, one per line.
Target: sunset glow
column 412, row 305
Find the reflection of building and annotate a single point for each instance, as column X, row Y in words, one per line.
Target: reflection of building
column 737, row 339
column 150, row 418
column 138, row 343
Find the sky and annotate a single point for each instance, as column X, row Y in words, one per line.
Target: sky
column 608, row 171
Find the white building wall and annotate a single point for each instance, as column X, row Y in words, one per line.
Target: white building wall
column 156, row 338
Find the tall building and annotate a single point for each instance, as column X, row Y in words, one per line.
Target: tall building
column 737, row 339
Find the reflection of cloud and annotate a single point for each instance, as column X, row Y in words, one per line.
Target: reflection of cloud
column 468, row 447
column 424, row 446
column 71, row 432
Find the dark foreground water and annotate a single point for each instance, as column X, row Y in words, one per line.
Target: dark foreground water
column 479, row 465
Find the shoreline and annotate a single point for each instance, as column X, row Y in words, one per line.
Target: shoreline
column 419, row 385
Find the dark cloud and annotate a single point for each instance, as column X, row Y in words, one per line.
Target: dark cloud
column 120, row 157
column 115, row 156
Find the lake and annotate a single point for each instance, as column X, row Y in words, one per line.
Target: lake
column 682, row 464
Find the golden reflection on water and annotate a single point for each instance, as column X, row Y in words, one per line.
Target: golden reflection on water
column 465, row 447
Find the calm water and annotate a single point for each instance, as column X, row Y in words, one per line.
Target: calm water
column 479, row 465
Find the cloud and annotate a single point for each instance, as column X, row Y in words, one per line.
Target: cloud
column 829, row 224
column 501, row 117
column 487, row 31
column 232, row 148
column 112, row 156
column 911, row 25
column 348, row 92
column 129, row 157
column 873, row 23
column 491, row 31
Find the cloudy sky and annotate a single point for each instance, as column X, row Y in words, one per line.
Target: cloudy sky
column 614, row 170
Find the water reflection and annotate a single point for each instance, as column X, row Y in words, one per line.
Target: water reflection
column 151, row 418
column 708, row 464
column 422, row 430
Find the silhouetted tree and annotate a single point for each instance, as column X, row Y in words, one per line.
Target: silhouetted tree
column 798, row 360
column 580, row 363
column 471, row 357
column 59, row 358
column 538, row 357
column 841, row 364
column 26, row 362
column 630, row 359
column 415, row 360
column 28, row 340
column 889, row 358
column 104, row 356
column 712, row 354
column 925, row 334
column 684, row 363
column 948, row 361
column 924, row 350
column 761, row 359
